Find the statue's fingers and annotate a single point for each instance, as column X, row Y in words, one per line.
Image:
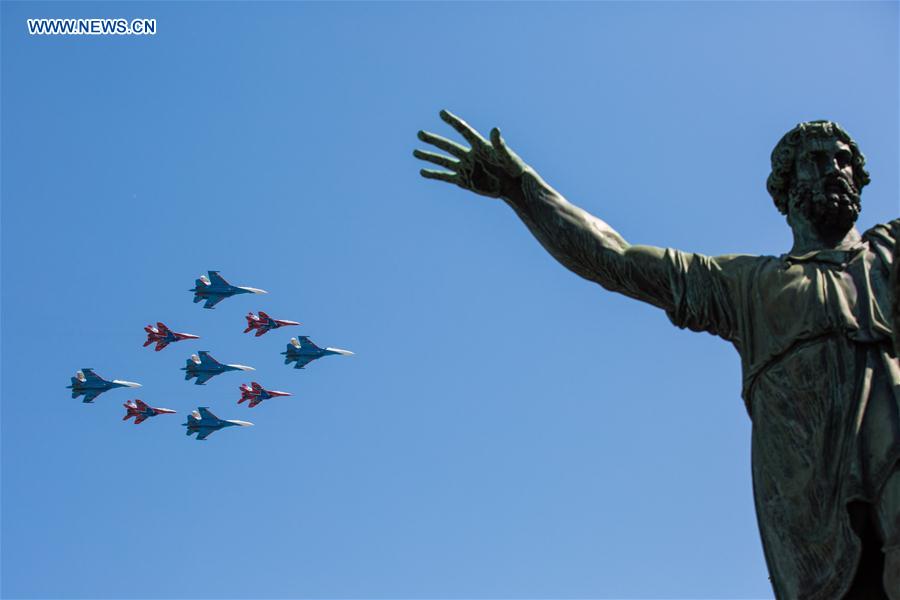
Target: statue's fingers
column 498, row 144
column 443, row 144
column 437, row 159
column 472, row 136
column 440, row 175
column 510, row 159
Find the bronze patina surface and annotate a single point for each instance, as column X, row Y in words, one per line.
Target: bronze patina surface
column 813, row 327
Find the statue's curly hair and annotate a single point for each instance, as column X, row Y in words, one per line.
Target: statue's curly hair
column 785, row 152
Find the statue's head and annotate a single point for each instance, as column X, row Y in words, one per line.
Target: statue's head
column 818, row 170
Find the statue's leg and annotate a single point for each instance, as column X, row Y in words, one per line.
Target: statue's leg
column 867, row 582
column 889, row 523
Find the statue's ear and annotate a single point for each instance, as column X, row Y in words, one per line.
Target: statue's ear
column 895, row 286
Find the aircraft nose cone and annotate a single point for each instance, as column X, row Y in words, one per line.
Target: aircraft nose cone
column 130, row 384
column 253, row 290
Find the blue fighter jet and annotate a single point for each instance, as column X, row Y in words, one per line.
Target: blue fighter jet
column 90, row 385
column 204, row 367
column 214, row 289
column 302, row 351
column 203, row 422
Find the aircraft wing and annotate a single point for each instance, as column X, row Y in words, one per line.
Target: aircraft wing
column 216, row 279
column 212, row 301
column 141, row 404
column 89, row 375
column 302, row 361
column 204, row 432
column 160, row 344
column 204, row 376
column 206, row 416
column 206, row 359
column 305, row 341
column 90, row 395
column 140, row 419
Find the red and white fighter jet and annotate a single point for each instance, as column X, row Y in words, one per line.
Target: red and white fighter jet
column 264, row 323
column 141, row 411
column 163, row 336
column 256, row 393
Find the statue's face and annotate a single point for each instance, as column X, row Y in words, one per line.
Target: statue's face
column 823, row 188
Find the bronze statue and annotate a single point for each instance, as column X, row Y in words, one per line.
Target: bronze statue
column 813, row 327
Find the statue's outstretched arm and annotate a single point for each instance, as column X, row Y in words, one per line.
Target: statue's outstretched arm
column 580, row 241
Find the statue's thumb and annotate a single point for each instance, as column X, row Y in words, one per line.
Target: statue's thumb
column 502, row 151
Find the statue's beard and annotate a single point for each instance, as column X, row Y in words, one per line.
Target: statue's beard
column 831, row 204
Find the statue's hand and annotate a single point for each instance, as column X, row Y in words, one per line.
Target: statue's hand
column 488, row 168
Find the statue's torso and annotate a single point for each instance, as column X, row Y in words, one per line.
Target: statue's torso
column 822, row 386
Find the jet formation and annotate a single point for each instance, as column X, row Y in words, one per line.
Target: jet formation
column 264, row 323
column 302, row 351
column 256, row 393
column 142, row 411
column 163, row 336
column 90, row 385
column 213, row 288
column 203, row 423
column 204, row 367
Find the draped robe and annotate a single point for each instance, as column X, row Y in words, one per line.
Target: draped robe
column 821, row 383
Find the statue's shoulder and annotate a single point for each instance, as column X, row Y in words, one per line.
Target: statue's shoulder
column 884, row 234
column 736, row 263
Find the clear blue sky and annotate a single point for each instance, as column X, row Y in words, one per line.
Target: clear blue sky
column 505, row 429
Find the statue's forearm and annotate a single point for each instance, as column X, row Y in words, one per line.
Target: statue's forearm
column 587, row 245
column 581, row 242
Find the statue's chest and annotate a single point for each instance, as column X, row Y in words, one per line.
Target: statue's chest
column 847, row 292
